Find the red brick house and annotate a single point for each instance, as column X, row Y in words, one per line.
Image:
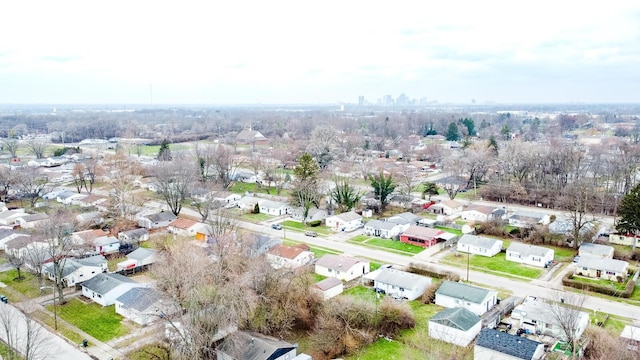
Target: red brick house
column 421, row 236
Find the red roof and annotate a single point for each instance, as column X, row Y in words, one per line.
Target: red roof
column 183, row 223
column 422, row 232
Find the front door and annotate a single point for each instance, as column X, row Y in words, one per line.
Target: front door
column 598, row 272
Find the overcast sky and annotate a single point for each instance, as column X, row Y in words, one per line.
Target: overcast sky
column 246, row 52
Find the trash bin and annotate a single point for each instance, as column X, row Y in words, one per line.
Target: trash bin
column 4, row 299
column 85, row 343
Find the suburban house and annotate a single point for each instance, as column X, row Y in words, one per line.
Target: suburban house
column 601, row 268
column 140, row 257
column 530, row 254
column 248, row 136
column 525, row 219
column 479, row 245
column 341, row 267
column 496, row 345
column 8, row 218
column 328, row 288
column 383, row 229
column 595, row 250
column 405, row 218
column 631, row 335
column 449, row 207
column 144, row 305
column 313, row 215
column 184, row 227
column 622, row 239
column 67, row 197
column 156, row 221
column 90, row 218
column 255, row 346
column 106, row 244
column 8, row 234
column 87, row 236
column 475, row 299
column 422, row 236
column 31, row 221
column 348, row 221
column 275, row 208
column 288, row 256
column 564, row 226
column 457, row 326
column 248, row 203
column 400, row 284
column 92, row 200
column 105, row 288
column 75, row 271
column 477, row 213
column 226, row 199
column 133, row 236
column 20, row 246
column 260, row 244
column 538, row 317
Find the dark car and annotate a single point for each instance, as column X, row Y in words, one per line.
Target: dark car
column 276, row 226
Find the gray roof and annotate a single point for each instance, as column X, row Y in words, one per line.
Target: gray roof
column 604, row 264
column 105, row 240
column 35, row 217
column 254, row 346
column 401, row 278
column 527, row 215
column 384, row 225
column 338, row 262
column 328, row 283
column 139, row 232
column 268, row 204
column 479, row 241
column 463, row 291
column 4, row 233
column 348, row 216
column 96, row 260
column 516, row 346
column 139, row 298
column 104, row 282
column 529, row 250
column 162, row 216
column 412, row 218
column 140, row 253
column 542, row 311
column 595, row 249
column 458, row 318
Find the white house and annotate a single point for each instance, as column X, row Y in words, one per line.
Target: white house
column 341, row 267
column 596, row 250
column 523, row 218
column 275, row 208
column 288, row 256
column 538, row 317
column 248, row 203
column 383, row 229
column 530, row 254
column 348, row 221
column 90, row 218
column 156, row 221
column 184, row 227
column 496, row 345
column 475, row 299
column 601, row 268
column 313, row 214
column 226, row 199
column 254, row 346
column 106, row 244
column 31, row 221
column 133, row 236
column 457, row 326
column 449, row 207
column 144, row 305
column 8, row 218
column 138, row 258
column 75, row 271
column 328, row 288
column 105, row 288
column 67, row 197
column 8, row 234
column 400, row 284
column 405, row 219
column 477, row 213
column 622, row 239
column 479, row 245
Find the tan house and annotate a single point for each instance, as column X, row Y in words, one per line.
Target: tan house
column 601, row 268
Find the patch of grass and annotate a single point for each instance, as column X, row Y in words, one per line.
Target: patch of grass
column 112, row 263
column 48, row 319
column 316, row 277
column 242, row 187
column 635, row 295
column 100, row 322
column 298, row 226
column 319, row 252
column 497, row 264
column 449, row 230
column 374, row 265
column 256, row 217
column 360, row 238
column 563, row 254
column 363, row 293
column 381, row 349
column 394, row 245
column 28, row 284
column 151, row 352
column 618, row 286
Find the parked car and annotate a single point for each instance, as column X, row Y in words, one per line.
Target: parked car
column 576, row 259
column 311, row 233
column 276, row 226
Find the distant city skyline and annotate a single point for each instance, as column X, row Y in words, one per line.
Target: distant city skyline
column 288, row 52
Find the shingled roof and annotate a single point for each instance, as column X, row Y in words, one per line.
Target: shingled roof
column 516, row 346
column 458, row 318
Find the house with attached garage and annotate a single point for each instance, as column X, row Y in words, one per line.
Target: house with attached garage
column 496, row 345
column 475, row 299
column 530, row 254
column 525, row 219
column 601, row 268
column 289, row 256
column 156, row 220
column 595, row 250
column 144, row 305
column 76, row 271
column 457, row 326
column 105, row 288
column 382, row 229
column 400, row 284
column 477, row 213
column 479, row 245
column 328, row 288
column 347, row 222
column 342, row 267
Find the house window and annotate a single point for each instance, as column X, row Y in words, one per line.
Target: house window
column 610, row 273
column 585, row 269
column 330, row 270
column 401, row 289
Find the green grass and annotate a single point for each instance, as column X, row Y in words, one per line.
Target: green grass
column 242, row 187
column 27, row 286
column 298, row 226
column 497, row 264
column 151, row 352
column 360, row 238
column 563, row 254
column 449, row 230
column 394, row 245
column 319, row 252
column 100, row 322
column 256, row 217
column 65, row 331
column 618, row 286
column 362, row 292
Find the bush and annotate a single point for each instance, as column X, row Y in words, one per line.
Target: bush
column 256, row 209
column 567, row 280
column 426, row 270
column 314, row 223
column 429, row 295
column 395, row 316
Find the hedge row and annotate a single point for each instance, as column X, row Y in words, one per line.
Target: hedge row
column 567, row 280
column 426, row 270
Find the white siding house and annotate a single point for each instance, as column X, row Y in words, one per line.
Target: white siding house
column 275, row 208
column 400, row 284
column 288, row 256
column 348, row 221
column 457, row 326
column 495, row 345
column 530, row 254
column 479, row 245
column 328, row 288
column 341, row 267
column 143, row 305
column 475, row 299
column 383, row 229
column 105, row 288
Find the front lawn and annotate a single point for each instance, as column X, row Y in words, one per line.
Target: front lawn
column 563, row 254
column 497, row 264
column 298, row 226
column 255, row 218
column 394, row 245
column 607, row 283
column 449, row 230
column 28, row 284
column 100, row 322
column 360, row 238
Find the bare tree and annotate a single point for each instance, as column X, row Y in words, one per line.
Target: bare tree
column 37, row 147
column 35, row 257
column 566, row 309
column 173, row 180
column 123, row 173
column 578, row 200
column 406, row 175
column 92, row 171
column 12, row 146
column 7, row 181
column 79, row 179
column 222, row 163
column 32, row 182
column 56, row 231
column 16, row 261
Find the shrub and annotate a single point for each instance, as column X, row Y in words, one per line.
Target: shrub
column 395, row 316
column 426, row 270
column 314, row 223
column 256, row 209
column 429, row 295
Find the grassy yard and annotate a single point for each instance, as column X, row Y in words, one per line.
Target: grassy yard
column 241, row 187
column 65, row 331
column 100, row 322
column 255, row 217
column 298, row 226
column 449, row 230
column 497, row 264
column 27, row 286
column 618, row 286
column 360, row 238
column 563, row 254
column 394, row 245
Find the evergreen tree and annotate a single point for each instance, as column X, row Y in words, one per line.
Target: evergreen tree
column 429, row 188
column 164, row 154
column 629, row 212
column 493, row 145
column 452, row 132
column 383, row 186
